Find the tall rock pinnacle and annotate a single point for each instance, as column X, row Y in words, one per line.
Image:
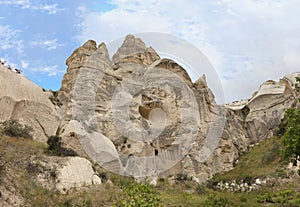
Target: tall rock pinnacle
column 134, row 50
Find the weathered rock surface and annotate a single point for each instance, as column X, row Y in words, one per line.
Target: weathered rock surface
column 75, row 172
column 23, row 100
column 141, row 115
column 146, row 116
column 65, row 173
column 134, row 50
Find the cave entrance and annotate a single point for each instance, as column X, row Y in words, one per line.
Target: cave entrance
column 156, row 152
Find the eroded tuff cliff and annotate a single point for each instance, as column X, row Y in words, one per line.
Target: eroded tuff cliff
column 141, row 115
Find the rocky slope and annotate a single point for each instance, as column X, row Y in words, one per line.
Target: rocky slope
column 139, row 114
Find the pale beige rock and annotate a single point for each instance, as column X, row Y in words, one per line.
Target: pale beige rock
column 75, row 172
column 134, row 50
column 139, row 105
column 23, row 100
column 138, row 116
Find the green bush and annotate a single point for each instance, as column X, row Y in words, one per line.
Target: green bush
column 13, row 128
column 55, row 147
column 282, row 197
column 181, row 177
column 138, row 195
column 103, row 176
column 54, row 144
column 291, row 138
column 214, row 201
column 85, row 203
column 271, row 155
column 200, row 189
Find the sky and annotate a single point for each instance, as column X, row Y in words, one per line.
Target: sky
column 247, row 42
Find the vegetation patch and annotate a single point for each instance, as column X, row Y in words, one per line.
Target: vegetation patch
column 13, row 128
column 138, row 195
column 55, row 147
column 263, row 160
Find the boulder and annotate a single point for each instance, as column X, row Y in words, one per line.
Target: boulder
column 75, row 172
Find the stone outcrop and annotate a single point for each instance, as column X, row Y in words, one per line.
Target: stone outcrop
column 252, row 121
column 65, row 173
column 75, row 172
column 262, row 113
column 23, row 100
column 139, row 114
column 142, row 115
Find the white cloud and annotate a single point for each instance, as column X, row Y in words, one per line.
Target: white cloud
column 22, row 3
column 9, row 39
column 247, row 41
column 24, row 64
column 27, row 4
column 52, row 70
column 46, row 43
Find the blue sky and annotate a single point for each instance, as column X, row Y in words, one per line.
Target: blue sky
column 247, row 41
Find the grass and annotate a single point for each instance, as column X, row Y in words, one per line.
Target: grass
column 263, row 160
column 18, row 151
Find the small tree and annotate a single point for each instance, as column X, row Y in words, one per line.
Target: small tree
column 54, row 144
column 55, row 147
column 291, row 136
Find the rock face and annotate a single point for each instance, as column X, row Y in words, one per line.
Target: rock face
column 23, row 100
column 264, row 111
column 142, row 115
column 254, row 120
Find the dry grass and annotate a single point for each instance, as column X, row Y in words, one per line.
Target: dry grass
column 262, row 161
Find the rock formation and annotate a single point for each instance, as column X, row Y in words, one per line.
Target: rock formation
column 23, row 100
column 139, row 114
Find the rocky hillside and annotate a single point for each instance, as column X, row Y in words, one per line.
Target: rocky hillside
column 135, row 114
column 141, row 115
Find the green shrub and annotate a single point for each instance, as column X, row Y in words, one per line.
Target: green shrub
column 161, row 180
column 282, row 197
column 103, row 176
column 13, row 128
column 55, row 147
column 54, row 144
column 291, row 137
column 271, row 155
column 181, row 177
column 34, row 168
column 138, row 195
column 243, row 199
column 214, row 201
column 200, row 189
